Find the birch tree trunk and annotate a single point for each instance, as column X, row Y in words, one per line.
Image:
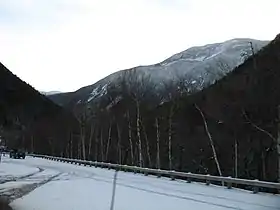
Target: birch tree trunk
column 236, row 158
column 139, row 135
column 210, row 139
column 130, row 138
column 147, row 144
column 158, row 141
column 71, row 146
column 101, row 145
column 263, row 164
column 274, row 140
column 92, row 128
column 96, row 147
column 170, row 136
column 119, row 144
column 79, row 150
column 82, row 130
column 108, row 141
column 67, row 149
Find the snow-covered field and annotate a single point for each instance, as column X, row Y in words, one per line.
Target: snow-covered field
column 62, row 186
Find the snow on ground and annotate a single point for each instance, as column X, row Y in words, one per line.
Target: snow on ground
column 79, row 187
column 20, row 179
column 10, row 170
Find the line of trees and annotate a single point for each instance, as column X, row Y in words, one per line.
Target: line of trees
column 131, row 124
column 138, row 122
column 122, row 126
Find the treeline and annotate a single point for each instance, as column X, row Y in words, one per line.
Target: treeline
column 127, row 125
column 228, row 129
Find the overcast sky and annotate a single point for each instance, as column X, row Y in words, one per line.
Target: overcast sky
column 66, row 44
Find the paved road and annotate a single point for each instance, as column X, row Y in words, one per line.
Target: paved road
column 65, row 186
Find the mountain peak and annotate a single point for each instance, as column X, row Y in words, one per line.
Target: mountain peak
column 200, row 63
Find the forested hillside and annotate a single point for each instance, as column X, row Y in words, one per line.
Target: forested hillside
column 229, row 128
column 30, row 120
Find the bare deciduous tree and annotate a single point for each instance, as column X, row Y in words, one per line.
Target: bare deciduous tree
column 147, row 145
column 138, row 86
column 210, row 139
column 158, row 143
column 274, row 140
column 108, row 141
column 235, row 158
column 130, row 138
column 92, row 130
column 81, row 116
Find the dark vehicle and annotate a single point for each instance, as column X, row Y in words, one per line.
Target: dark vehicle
column 17, row 154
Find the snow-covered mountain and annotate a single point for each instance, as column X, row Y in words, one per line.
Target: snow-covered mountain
column 203, row 63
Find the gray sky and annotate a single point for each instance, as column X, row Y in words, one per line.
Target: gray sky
column 66, row 44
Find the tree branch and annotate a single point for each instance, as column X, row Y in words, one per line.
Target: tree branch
column 210, row 139
column 257, row 127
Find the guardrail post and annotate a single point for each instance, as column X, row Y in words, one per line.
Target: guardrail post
column 229, row 184
column 189, row 180
column 146, row 173
column 207, row 180
column 255, row 189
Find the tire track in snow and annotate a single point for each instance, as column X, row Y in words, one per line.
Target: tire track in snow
column 20, row 178
column 19, row 192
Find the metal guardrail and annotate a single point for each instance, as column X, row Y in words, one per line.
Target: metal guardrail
column 189, row 177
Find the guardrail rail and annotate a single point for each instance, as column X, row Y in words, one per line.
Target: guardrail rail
column 256, row 185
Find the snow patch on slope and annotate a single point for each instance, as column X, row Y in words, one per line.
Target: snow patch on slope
column 50, row 93
column 98, row 92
